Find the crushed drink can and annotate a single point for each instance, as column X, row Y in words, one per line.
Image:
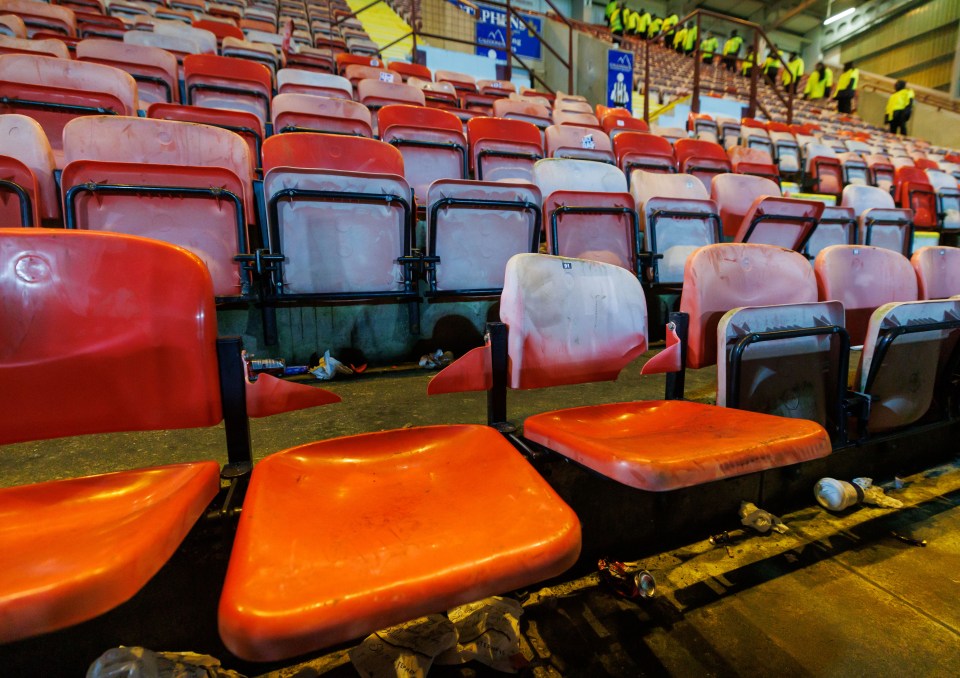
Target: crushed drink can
column 632, row 586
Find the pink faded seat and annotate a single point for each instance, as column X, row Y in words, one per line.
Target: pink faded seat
column 26, row 163
column 512, row 109
column 583, row 143
column 112, row 162
column 377, row 93
column 938, row 271
column 473, row 228
column 295, row 112
column 722, row 277
column 881, row 223
column 863, row 278
column 300, row 81
column 27, row 78
column 575, row 321
column 677, row 217
column 902, row 377
column 837, row 226
column 343, row 537
column 94, row 342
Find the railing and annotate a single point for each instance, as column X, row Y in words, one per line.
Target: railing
column 417, row 33
column 871, row 82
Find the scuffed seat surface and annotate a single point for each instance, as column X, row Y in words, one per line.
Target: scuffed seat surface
column 667, row 445
column 73, row 549
column 342, row 537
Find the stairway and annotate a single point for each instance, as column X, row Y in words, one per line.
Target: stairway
column 383, row 25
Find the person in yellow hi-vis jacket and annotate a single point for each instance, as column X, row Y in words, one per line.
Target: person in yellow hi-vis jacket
column 847, row 88
column 771, row 66
column 655, row 26
column 819, row 82
column 690, row 40
column 731, row 50
column 791, row 76
column 679, row 38
column 748, row 64
column 899, row 108
column 630, row 19
column 670, row 31
column 608, row 11
column 616, row 20
column 708, row 47
column 643, row 23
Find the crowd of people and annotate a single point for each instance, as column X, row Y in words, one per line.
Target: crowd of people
column 780, row 69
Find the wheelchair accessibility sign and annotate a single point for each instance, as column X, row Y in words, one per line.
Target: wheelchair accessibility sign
column 619, row 79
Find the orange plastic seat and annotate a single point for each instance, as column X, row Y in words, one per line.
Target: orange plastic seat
column 408, row 71
column 587, row 211
column 575, row 321
column 513, row 109
column 702, row 159
column 914, row 191
column 123, row 526
column 503, row 148
column 342, row 537
column 662, row 445
column 721, row 277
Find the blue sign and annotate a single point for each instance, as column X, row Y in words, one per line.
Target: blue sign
column 620, row 79
column 492, row 34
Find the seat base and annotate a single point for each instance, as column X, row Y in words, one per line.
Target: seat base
column 669, row 444
column 346, row 536
column 73, row 549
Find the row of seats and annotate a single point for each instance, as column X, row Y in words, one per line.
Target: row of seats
column 198, row 184
column 315, row 517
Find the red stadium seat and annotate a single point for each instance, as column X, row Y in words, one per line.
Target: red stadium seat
column 50, row 47
column 431, row 142
column 218, row 28
column 753, row 211
column 614, row 123
column 503, row 148
column 39, row 87
column 639, row 150
column 375, row 94
column 136, row 357
column 247, row 125
column 462, row 82
column 297, row 81
column 912, row 190
column 511, row 109
column 561, row 117
column 408, row 71
column 39, row 16
column 753, row 161
column 702, row 159
column 214, row 81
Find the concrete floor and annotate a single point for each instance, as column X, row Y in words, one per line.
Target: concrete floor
column 838, row 595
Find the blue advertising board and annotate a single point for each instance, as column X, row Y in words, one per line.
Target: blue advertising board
column 492, row 34
column 619, row 79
